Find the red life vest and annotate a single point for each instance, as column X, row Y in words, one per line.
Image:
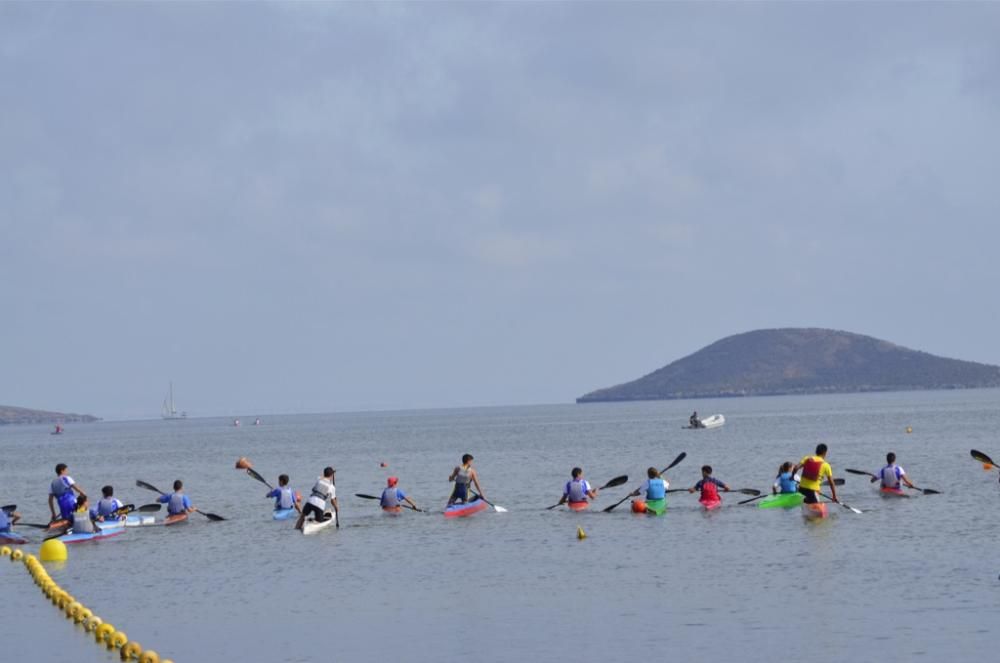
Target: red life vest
column 709, row 492
column 811, row 468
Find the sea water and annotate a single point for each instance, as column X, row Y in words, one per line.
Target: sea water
column 907, row 578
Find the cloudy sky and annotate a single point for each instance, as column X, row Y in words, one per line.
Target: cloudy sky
column 324, row 207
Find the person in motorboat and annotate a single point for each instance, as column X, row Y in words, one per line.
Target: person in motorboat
column 464, row 477
column 61, row 493
column 323, row 491
column 107, row 506
column 284, row 496
column 177, row 503
column 708, row 486
column 577, row 489
column 392, row 496
column 694, row 421
column 814, row 470
column 785, row 481
column 892, row 475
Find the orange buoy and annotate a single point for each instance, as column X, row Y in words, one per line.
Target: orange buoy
column 638, row 506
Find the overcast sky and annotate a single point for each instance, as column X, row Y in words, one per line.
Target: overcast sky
column 325, row 207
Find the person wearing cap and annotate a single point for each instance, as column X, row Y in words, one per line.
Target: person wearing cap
column 464, row 475
column 392, row 496
column 323, row 491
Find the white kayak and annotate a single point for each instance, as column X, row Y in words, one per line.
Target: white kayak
column 311, row 526
column 715, row 421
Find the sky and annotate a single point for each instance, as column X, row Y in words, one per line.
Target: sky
column 320, row 207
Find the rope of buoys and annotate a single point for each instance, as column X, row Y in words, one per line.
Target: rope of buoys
column 104, row 633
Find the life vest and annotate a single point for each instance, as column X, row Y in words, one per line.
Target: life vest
column 657, row 489
column 286, row 499
column 709, row 492
column 811, row 468
column 464, row 475
column 390, row 498
column 576, row 490
column 890, row 476
column 786, row 483
column 175, row 504
column 107, row 506
column 82, row 523
column 322, row 491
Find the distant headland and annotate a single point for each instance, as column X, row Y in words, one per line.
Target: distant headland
column 771, row 362
column 21, row 415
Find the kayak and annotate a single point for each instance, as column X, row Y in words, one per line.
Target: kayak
column 715, row 421
column 139, row 521
column 392, row 509
column 710, row 504
column 461, row 509
column 892, row 492
column 83, row 537
column 781, row 500
column 656, row 507
column 284, row 514
column 578, row 506
column 816, row 511
column 10, row 537
column 175, row 519
column 312, row 526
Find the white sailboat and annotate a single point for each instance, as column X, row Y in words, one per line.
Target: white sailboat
column 169, row 411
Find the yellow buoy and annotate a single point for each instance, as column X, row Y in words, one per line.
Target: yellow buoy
column 103, row 631
column 149, row 656
column 580, row 534
column 16, row 556
column 92, row 623
column 131, row 650
column 53, row 550
column 5, row 551
column 909, row 430
column 118, row 639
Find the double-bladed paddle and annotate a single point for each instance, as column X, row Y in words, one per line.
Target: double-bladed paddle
column 372, row 497
column 849, row 508
column 498, row 509
column 256, row 475
column 838, row 481
column 617, row 481
column 987, row 462
column 149, row 486
column 681, row 456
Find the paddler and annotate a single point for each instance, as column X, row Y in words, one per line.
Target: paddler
column 464, row 475
column 708, row 486
column 323, row 491
column 655, row 486
column 81, row 522
column 694, row 421
column 177, row 503
column 61, row 492
column 785, row 481
column 108, row 506
column 577, row 489
column 393, row 495
column 814, row 469
column 892, row 475
column 284, row 497
column 7, row 519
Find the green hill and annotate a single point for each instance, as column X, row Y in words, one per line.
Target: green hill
column 20, row 415
column 799, row 361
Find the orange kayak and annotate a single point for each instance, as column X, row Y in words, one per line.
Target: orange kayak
column 816, row 511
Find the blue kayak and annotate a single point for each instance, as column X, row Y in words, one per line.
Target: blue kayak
column 284, row 514
column 81, row 537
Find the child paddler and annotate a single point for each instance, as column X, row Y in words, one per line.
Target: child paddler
column 284, row 496
column 892, row 475
column 61, row 493
column 81, row 522
column 653, row 488
column 785, row 481
column 177, row 502
column 393, row 496
column 7, row 519
column 709, row 487
column 107, row 507
column 464, row 476
column 577, row 490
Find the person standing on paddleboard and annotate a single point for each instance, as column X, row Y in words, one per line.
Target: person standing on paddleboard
column 814, row 469
column 892, row 475
column 392, row 496
column 284, row 497
column 708, row 486
column 178, row 502
column 785, row 481
column 61, row 492
column 323, row 491
column 577, row 489
column 464, row 476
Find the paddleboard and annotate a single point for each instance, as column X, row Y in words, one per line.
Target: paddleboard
column 781, row 500
column 459, row 510
column 311, row 526
column 83, row 537
column 284, row 514
column 11, row 538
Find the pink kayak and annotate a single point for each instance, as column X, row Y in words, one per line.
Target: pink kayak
column 710, row 504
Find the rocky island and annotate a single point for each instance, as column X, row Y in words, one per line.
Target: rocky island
column 21, row 415
column 771, row 362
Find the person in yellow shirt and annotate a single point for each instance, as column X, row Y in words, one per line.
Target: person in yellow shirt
column 814, row 470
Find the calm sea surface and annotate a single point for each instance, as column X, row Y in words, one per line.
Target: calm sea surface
column 906, row 579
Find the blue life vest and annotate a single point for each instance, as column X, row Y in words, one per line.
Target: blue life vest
column 175, row 504
column 657, row 489
column 787, row 483
column 576, row 490
column 107, row 506
column 390, row 498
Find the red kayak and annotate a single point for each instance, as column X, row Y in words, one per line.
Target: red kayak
column 459, row 510
column 816, row 511
column 175, row 519
column 710, row 504
column 892, row 492
column 392, row 509
column 578, row 506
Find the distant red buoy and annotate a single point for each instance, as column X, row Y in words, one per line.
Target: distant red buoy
column 383, row 464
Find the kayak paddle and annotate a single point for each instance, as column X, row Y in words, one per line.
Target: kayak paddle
column 23, row 524
column 149, row 486
column 748, row 491
column 987, row 462
column 149, row 508
column 926, row 491
column 617, row 481
column 752, row 499
column 849, row 508
column 372, row 497
column 681, row 456
column 498, row 509
column 8, row 508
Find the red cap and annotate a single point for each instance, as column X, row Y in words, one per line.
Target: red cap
column 393, row 481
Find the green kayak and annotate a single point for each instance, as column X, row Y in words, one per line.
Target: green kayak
column 656, row 507
column 782, row 500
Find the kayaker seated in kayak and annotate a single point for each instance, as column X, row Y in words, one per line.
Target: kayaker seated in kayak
column 814, row 469
column 577, row 489
column 892, row 475
column 464, row 476
column 694, row 421
column 284, row 497
column 708, row 486
column 82, row 522
column 323, row 491
column 654, row 487
column 107, row 506
column 392, row 495
column 61, row 492
column 177, row 503
column 7, row 519
column 785, row 481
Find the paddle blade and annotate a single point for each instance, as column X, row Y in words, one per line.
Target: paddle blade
column 930, row 491
column 617, row 481
column 149, row 508
column 839, row 482
column 148, row 486
column 867, row 474
column 981, row 457
column 367, row 497
column 679, row 458
column 752, row 499
column 243, row 463
column 256, row 475
column 211, row 516
column 9, row 508
column 748, row 491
